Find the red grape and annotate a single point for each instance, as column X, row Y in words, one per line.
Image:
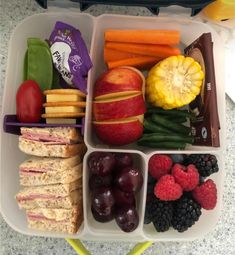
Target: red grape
column 103, row 200
column 127, row 218
column 102, row 217
column 129, row 179
column 101, row 163
column 123, row 198
column 123, row 160
column 97, row 181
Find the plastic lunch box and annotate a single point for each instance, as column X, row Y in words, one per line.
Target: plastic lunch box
column 92, row 29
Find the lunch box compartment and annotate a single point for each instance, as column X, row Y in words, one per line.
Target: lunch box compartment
column 111, row 228
column 207, row 220
column 11, row 157
column 189, row 30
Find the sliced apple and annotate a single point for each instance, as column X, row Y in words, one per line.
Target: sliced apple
column 140, row 118
column 120, row 132
column 117, row 82
column 119, row 108
column 140, row 74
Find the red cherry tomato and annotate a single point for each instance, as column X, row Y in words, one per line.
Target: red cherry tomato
column 29, row 100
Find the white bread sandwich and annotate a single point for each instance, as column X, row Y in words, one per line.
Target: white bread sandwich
column 51, row 196
column 56, row 220
column 38, row 171
column 51, row 142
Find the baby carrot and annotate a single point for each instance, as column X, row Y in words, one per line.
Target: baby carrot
column 166, row 37
column 146, row 49
column 115, row 55
column 140, row 62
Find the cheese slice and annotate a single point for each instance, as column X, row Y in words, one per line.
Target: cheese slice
column 60, row 121
column 62, row 109
column 63, row 98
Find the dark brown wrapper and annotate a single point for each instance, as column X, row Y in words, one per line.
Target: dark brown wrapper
column 205, row 127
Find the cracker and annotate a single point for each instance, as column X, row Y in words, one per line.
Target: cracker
column 53, row 104
column 63, row 115
column 64, row 92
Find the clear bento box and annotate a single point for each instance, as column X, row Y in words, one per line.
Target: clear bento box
column 92, row 29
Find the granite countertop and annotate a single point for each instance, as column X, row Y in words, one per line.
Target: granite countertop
column 219, row 242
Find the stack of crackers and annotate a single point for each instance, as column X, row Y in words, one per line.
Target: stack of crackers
column 64, row 106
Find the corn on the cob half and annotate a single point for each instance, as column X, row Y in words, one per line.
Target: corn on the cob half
column 174, row 82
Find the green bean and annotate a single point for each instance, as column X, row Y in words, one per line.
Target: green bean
column 177, row 128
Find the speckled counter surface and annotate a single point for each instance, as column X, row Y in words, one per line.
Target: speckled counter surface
column 218, row 242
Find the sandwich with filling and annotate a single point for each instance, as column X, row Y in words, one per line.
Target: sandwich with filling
column 51, row 196
column 61, row 142
column 56, row 220
column 38, row 171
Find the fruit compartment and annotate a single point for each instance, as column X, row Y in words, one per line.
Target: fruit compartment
column 190, row 30
column 111, row 229
column 208, row 218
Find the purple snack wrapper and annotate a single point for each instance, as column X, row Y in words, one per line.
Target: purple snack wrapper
column 70, row 55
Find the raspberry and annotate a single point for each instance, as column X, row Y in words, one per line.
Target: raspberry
column 206, row 195
column 186, row 177
column 159, row 165
column 167, row 189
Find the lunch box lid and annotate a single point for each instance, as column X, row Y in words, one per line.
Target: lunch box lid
column 153, row 5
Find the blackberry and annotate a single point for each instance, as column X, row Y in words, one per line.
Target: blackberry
column 151, row 179
column 206, row 164
column 150, row 188
column 149, row 199
column 186, row 212
column 151, row 184
column 201, row 179
column 160, row 213
column 147, row 215
column 177, row 158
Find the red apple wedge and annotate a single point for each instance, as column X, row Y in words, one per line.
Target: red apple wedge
column 119, row 108
column 120, row 81
column 120, row 132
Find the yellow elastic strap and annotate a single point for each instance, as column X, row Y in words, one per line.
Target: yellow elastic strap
column 81, row 250
column 140, row 248
column 78, row 246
